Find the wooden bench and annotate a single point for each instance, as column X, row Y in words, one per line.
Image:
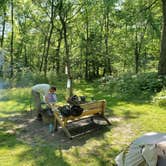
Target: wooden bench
column 91, row 109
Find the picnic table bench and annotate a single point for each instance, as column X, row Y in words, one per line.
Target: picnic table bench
column 91, row 109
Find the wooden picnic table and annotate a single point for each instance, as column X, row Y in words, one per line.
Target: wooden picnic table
column 91, row 109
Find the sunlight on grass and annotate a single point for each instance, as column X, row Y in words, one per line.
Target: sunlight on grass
column 11, row 108
column 93, row 152
column 25, row 155
column 133, row 120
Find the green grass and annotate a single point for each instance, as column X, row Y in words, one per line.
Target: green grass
column 132, row 119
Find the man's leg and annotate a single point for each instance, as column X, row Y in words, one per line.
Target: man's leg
column 37, row 103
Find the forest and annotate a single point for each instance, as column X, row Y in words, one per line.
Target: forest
column 107, row 49
column 91, row 38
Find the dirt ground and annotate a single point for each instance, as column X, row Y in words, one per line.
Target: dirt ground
column 34, row 132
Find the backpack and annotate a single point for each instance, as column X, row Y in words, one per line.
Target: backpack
column 76, row 110
column 73, row 100
column 65, row 110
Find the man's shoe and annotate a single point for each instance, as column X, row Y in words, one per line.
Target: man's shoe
column 39, row 117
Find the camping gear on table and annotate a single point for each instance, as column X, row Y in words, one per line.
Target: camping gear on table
column 150, row 149
column 74, row 108
column 90, row 110
column 68, row 110
column 76, row 100
column 65, row 110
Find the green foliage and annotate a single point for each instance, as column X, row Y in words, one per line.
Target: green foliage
column 131, row 86
column 97, row 31
column 160, row 98
column 26, row 78
column 162, row 102
column 142, row 84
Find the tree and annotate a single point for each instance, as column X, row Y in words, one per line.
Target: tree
column 162, row 61
column 63, row 14
column 12, row 40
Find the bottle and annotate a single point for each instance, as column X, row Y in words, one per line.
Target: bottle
column 51, row 127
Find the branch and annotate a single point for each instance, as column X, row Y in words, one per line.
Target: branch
column 150, row 6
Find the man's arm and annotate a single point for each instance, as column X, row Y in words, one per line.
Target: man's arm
column 47, row 101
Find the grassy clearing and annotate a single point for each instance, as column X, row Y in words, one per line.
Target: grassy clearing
column 130, row 120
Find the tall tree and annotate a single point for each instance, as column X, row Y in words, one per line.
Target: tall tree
column 63, row 14
column 51, row 28
column 12, row 40
column 56, row 59
column 162, row 61
column 106, row 17
column 3, row 25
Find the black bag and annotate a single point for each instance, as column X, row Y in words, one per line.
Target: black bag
column 65, row 110
column 73, row 100
column 76, row 110
column 83, row 99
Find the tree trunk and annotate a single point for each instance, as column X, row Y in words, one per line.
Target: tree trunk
column 3, row 26
column 43, row 54
column 107, row 67
column 87, row 49
column 138, row 47
column 57, row 56
column 11, row 41
column 136, row 53
column 67, row 59
column 25, row 56
column 47, row 50
column 49, row 38
column 162, row 61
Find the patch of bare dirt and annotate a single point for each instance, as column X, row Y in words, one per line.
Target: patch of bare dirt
column 34, row 132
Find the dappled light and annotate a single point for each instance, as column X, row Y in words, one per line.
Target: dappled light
column 80, row 80
column 92, row 142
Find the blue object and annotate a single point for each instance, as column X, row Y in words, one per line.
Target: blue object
column 51, row 127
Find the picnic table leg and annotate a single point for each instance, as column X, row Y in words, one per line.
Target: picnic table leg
column 63, row 126
column 91, row 119
column 103, row 116
column 55, row 124
column 67, row 132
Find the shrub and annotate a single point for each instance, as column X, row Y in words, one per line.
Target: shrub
column 135, row 86
column 25, row 77
column 160, row 98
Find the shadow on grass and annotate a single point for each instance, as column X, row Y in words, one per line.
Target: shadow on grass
column 37, row 155
column 131, row 115
column 35, row 133
column 7, row 140
column 43, row 156
column 43, row 148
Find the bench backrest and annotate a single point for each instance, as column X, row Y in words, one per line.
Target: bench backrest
column 94, row 107
column 90, row 109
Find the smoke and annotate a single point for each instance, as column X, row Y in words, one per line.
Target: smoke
column 2, row 57
column 2, row 85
